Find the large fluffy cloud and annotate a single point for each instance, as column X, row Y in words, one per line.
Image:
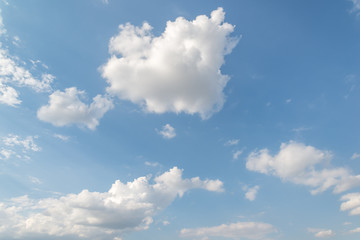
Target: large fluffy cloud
column 66, row 108
column 178, row 71
column 93, row 215
column 301, row 164
column 239, row 230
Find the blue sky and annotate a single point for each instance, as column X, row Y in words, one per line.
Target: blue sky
column 199, row 120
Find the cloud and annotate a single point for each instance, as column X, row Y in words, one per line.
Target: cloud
column 321, row 233
column 301, row 164
column 356, row 230
column 178, row 71
column 239, row 230
column 356, row 5
column 27, row 143
column 167, row 131
column 15, row 146
column 351, row 202
column 355, row 156
column 232, row 142
column 62, row 137
column 97, row 215
column 8, row 95
column 251, row 193
column 237, row 154
column 14, row 74
column 66, row 108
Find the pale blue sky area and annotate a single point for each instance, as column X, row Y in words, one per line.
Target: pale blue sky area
column 197, row 120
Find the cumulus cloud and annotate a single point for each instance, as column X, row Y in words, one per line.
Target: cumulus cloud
column 322, row 233
column 251, row 193
column 98, row 215
column 8, row 95
column 167, row 131
column 178, row 71
column 66, row 108
column 301, row 164
column 239, row 230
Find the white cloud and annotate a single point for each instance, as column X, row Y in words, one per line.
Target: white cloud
column 322, row 233
column 232, row 142
column 8, row 95
column 12, row 73
column 94, row 215
column 62, row 137
column 27, row 143
column 152, row 164
column 251, row 193
column 288, row 100
column 355, row 156
column 356, row 230
column 239, row 230
column 165, row 223
column 237, row 154
column 301, row 164
column 178, row 71
column 167, row 131
column 351, row 202
column 66, row 108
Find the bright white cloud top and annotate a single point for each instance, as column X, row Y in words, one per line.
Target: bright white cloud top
column 93, row 215
column 66, row 108
column 178, row 71
column 167, row 131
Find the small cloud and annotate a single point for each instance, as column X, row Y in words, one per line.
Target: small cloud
column 16, row 41
column 62, row 137
column 322, row 233
column 288, row 100
column 152, row 164
column 251, row 192
column 165, row 223
column 347, row 223
column 237, row 154
column 167, row 131
column 300, row 129
column 355, row 156
column 35, row 180
column 232, row 142
column 356, row 230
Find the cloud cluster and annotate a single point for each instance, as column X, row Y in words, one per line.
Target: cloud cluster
column 239, row 230
column 178, row 71
column 66, row 108
column 14, row 145
column 13, row 74
column 93, row 215
column 301, row 164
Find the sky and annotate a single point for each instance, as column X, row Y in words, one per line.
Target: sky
column 198, row 120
